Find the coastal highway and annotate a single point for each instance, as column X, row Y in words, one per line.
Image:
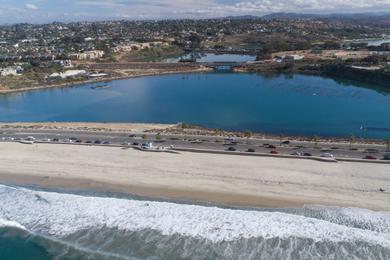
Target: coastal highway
column 247, row 145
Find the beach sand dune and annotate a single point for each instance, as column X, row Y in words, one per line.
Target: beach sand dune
column 216, row 178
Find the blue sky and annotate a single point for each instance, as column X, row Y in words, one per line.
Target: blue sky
column 39, row 11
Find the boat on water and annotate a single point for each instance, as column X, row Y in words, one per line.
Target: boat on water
column 101, row 87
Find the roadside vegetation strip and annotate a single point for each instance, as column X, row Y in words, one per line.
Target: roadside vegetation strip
column 344, row 159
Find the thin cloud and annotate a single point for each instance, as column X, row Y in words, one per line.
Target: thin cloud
column 31, row 7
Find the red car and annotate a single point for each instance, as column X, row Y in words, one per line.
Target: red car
column 370, row 157
column 274, row 152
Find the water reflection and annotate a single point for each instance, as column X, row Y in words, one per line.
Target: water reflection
column 276, row 103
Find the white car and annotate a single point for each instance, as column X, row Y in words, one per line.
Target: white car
column 327, row 155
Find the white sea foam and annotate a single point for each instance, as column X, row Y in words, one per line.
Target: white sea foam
column 60, row 215
column 7, row 223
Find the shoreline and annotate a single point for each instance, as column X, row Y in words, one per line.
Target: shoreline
column 108, row 79
column 195, row 177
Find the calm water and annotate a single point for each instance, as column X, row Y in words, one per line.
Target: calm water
column 294, row 105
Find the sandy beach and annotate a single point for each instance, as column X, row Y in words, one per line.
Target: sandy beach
column 224, row 179
column 88, row 126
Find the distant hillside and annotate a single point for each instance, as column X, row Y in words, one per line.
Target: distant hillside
column 290, row 16
column 242, row 17
column 369, row 18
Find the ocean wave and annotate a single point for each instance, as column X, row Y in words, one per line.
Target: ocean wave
column 115, row 226
column 10, row 224
column 351, row 217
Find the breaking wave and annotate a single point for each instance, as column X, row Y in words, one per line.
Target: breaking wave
column 76, row 226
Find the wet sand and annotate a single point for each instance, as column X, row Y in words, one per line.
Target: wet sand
column 216, row 178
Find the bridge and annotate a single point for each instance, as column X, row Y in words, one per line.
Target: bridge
column 222, row 64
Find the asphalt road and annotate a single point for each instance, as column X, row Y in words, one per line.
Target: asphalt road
column 339, row 150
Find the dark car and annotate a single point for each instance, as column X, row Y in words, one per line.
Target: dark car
column 386, row 157
column 132, row 136
column 251, row 150
column 79, row 141
column 56, row 140
column 307, row 154
column 98, row 142
column 370, row 157
column 271, row 146
column 88, row 142
column 286, row 142
column 274, row 152
column 135, row 143
column 370, row 150
column 106, row 142
column 231, row 149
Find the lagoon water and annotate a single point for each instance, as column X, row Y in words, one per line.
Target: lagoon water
column 277, row 104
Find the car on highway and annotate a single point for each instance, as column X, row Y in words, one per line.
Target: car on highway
column 307, row 154
column 370, row 157
column 271, row 146
column 274, row 152
column 250, row 150
column 297, row 154
column 386, row 157
column 371, row 150
column 135, row 143
column 286, row 142
column 231, row 149
column 56, row 140
column 88, row 142
column 106, row 142
column 327, row 155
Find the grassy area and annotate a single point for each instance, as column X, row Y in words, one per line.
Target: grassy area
column 150, row 54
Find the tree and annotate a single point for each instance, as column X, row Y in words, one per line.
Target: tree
column 248, row 134
column 388, row 145
column 158, row 136
column 351, row 141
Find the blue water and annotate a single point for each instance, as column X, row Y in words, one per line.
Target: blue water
column 278, row 104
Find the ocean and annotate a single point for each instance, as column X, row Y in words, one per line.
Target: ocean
column 48, row 224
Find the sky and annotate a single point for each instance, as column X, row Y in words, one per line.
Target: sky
column 42, row 11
